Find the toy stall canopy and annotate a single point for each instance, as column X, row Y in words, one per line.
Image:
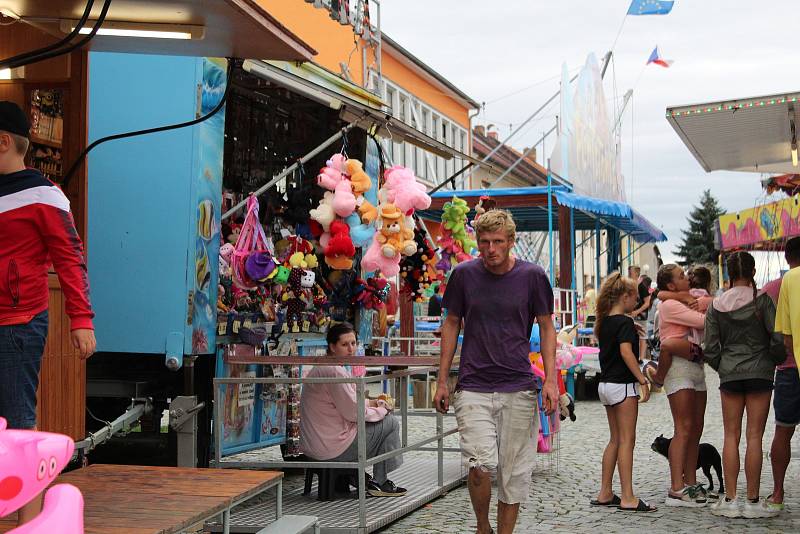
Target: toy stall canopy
column 749, row 134
column 529, row 207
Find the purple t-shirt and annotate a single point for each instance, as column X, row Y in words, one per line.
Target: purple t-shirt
column 498, row 313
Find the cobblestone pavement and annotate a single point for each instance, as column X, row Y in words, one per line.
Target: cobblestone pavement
column 559, row 499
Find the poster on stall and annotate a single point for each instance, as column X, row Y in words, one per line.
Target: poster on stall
column 273, row 414
column 207, row 197
column 760, row 226
column 247, row 392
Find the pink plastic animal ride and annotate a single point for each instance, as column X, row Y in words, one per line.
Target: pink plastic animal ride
column 29, row 462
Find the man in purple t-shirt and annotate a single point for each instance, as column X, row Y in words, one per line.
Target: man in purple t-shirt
column 497, row 297
column 786, row 395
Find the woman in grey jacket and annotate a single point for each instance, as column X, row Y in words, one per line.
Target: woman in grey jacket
column 740, row 344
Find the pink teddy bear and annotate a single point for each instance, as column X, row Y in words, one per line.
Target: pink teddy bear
column 404, row 191
column 333, row 173
column 344, row 201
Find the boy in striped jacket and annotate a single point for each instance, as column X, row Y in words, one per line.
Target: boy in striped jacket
column 36, row 231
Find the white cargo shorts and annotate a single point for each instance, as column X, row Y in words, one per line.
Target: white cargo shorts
column 499, row 433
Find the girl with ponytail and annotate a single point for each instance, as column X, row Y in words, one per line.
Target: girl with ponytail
column 741, row 345
column 620, row 383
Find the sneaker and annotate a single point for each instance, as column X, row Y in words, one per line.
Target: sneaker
column 387, row 489
column 776, row 507
column 757, row 509
column 726, row 507
column 701, row 493
column 689, row 497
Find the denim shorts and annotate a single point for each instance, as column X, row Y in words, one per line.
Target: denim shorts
column 786, row 398
column 21, row 349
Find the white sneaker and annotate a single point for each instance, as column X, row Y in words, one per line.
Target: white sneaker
column 759, row 509
column 690, row 497
column 726, row 508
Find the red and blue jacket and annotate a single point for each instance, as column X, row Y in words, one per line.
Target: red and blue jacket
column 37, row 230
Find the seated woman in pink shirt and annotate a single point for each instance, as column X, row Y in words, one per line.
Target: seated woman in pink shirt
column 329, row 415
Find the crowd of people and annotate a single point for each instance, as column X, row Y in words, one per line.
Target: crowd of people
column 740, row 334
column 744, row 334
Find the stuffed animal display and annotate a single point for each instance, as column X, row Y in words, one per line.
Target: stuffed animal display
column 457, row 242
column 344, row 215
column 419, row 269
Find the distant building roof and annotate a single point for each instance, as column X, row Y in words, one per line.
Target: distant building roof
column 385, row 39
column 528, row 170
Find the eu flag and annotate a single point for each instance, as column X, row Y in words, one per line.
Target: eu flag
column 650, row 7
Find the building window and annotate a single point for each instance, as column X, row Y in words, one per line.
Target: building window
column 391, row 99
column 402, row 112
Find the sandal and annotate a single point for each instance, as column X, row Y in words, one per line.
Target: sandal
column 641, row 507
column 615, row 501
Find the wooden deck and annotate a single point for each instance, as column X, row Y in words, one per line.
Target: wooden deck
column 148, row 500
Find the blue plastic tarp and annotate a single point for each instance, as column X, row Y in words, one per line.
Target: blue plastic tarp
column 588, row 212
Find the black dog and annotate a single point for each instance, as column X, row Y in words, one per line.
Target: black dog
column 707, row 458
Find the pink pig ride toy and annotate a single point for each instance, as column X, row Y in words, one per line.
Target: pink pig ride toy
column 29, row 462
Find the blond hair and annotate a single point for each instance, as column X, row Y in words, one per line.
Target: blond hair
column 614, row 287
column 494, row 220
column 21, row 143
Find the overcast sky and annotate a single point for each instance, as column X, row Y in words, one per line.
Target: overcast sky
column 722, row 49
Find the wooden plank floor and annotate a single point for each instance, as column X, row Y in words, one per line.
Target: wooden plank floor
column 148, row 500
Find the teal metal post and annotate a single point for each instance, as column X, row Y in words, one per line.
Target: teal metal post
column 574, row 285
column 597, row 255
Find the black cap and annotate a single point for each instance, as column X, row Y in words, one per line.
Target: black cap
column 13, row 119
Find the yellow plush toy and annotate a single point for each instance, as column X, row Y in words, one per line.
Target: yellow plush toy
column 395, row 238
column 361, row 183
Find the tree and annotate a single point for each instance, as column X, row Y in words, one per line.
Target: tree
column 698, row 241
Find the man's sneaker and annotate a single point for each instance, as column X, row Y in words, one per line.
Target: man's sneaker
column 387, row 489
column 757, row 509
column 689, row 497
column 726, row 507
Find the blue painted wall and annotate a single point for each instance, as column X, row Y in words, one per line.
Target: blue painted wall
column 141, row 211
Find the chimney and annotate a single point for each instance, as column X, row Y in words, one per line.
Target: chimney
column 532, row 155
column 480, row 130
column 493, row 134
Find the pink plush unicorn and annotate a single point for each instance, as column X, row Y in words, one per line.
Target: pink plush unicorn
column 29, row 462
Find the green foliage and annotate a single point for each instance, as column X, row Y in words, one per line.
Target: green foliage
column 698, row 241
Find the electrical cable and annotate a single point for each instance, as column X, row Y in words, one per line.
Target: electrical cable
column 85, row 151
column 78, row 27
column 68, row 49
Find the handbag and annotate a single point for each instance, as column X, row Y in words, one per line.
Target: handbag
column 251, row 240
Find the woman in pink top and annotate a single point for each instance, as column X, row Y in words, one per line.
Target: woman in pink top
column 685, row 386
column 329, row 415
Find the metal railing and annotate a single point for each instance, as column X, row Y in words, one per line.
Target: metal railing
column 402, row 376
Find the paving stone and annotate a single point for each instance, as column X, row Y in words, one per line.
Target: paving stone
column 565, row 481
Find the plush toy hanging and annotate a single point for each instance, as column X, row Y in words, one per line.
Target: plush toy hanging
column 403, row 190
column 457, row 241
column 340, row 250
column 371, row 293
column 419, row 269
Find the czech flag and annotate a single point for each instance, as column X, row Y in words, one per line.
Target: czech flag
column 650, row 7
column 658, row 59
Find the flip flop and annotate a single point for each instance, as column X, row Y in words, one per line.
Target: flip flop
column 615, row 501
column 641, row 507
